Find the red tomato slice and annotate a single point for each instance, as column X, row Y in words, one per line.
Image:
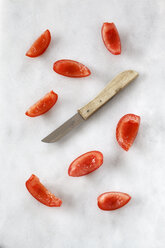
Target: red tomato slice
column 40, row 45
column 112, row 200
column 85, row 164
column 111, row 38
column 40, row 193
column 71, row 68
column 43, row 105
column 127, row 129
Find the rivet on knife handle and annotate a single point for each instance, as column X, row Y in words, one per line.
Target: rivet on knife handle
column 111, row 89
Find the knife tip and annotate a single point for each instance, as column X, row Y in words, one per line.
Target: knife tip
column 45, row 140
column 48, row 140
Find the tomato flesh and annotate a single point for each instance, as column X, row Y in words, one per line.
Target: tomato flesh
column 85, row 164
column 40, row 45
column 112, row 200
column 127, row 129
column 111, row 38
column 40, row 193
column 71, row 68
column 43, row 105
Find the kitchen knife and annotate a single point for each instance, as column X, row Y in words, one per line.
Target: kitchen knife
column 111, row 89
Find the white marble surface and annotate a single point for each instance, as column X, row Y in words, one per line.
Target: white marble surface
column 75, row 27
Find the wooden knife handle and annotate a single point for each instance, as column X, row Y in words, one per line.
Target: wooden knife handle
column 111, row 89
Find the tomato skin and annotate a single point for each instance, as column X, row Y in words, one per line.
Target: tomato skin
column 110, row 201
column 127, row 130
column 43, row 105
column 85, row 164
column 40, row 45
column 111, row 38
column 40, row 193
column 71, row 68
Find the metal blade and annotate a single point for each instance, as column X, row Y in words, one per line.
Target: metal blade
column 65, row 128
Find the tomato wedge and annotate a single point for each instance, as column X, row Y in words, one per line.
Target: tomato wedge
column 85, row 164
column 127, row 129
column 112, row 200
column 111, row 38
column 71, row 68
column 40, row 45
column 40, row 193
column 43, row 105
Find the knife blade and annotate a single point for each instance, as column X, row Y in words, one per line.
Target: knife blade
column 111, row 89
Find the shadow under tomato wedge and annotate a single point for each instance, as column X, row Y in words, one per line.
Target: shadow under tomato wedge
column 71, row 68
column 126, row 130
column 111, row 38
column 43, row 105
column 85, row 164
column 40, row 45
column 40, row 193
column 109, row 201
